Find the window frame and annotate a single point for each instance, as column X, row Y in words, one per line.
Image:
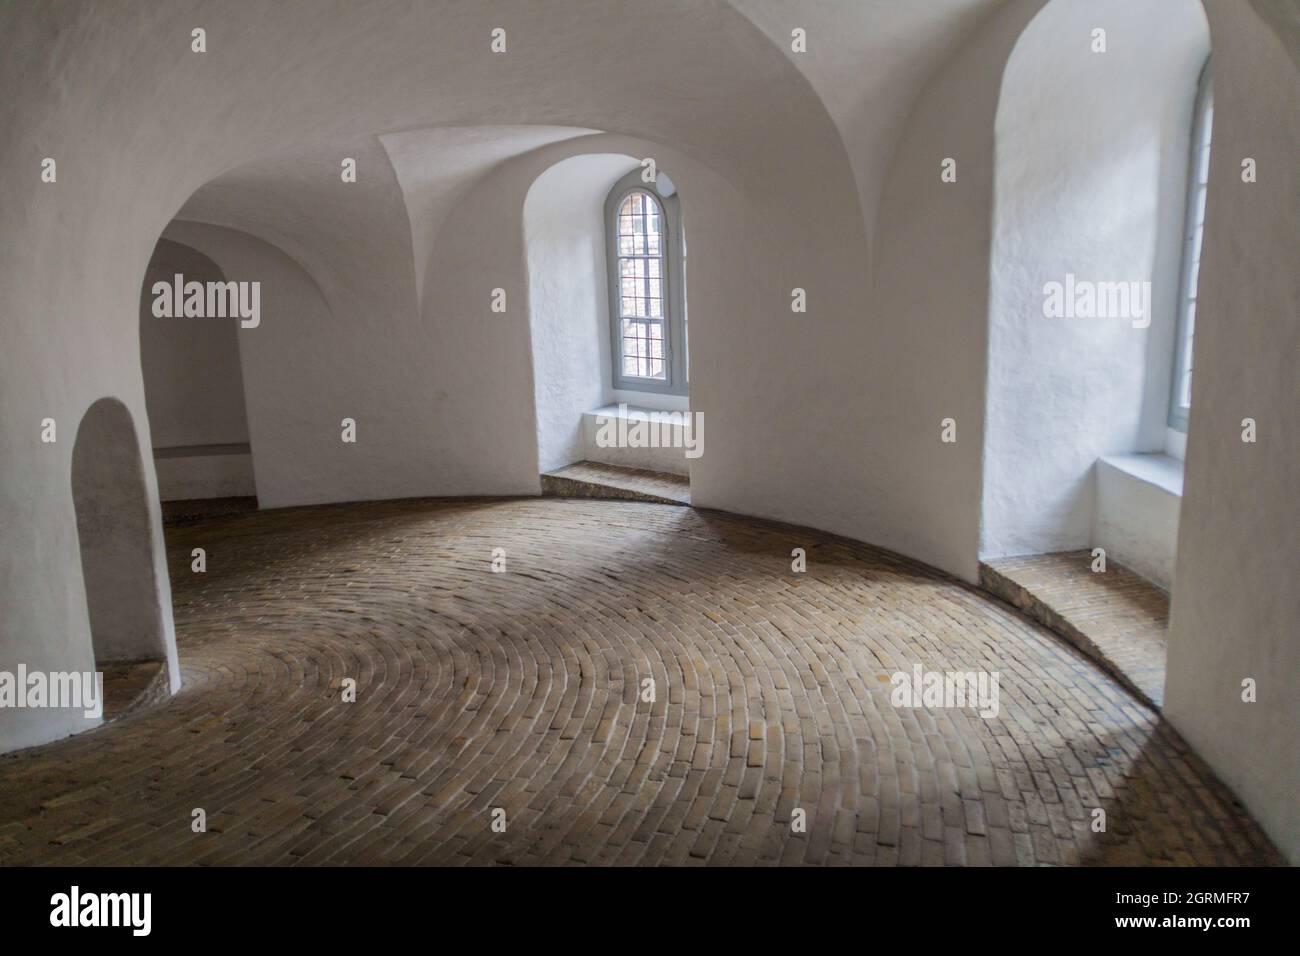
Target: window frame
column 675, row 381
column 1188, row 298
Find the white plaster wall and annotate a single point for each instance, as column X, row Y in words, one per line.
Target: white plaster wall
column 867, row 60
column 564, row 233
column 921, row 358
column 1091, row 164
column 435, row 167
column 1235, row 602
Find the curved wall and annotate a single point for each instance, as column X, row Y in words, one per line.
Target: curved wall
column 1235, row 601
column 925, row 361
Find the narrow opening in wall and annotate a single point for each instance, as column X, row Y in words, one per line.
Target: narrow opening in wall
column 112, row 507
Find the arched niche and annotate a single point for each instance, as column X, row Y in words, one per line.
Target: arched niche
column 1092, row 138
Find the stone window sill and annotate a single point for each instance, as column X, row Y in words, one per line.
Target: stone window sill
column 1159, row 470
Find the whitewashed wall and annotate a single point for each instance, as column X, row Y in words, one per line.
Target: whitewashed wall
column 564, row 234
column 1235, row 601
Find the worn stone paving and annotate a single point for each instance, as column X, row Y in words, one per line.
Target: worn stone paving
column 129, row 685
column 522, row 691
column 593, row 479
column 1115, row 616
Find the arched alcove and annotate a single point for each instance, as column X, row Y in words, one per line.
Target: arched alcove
column 1092, row 138
column 574, row 280
column 112, row 505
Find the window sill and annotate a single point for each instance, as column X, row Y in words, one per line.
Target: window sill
column 662, row 446
column 1159, row 470
column 1139, row 498
column 633, row 412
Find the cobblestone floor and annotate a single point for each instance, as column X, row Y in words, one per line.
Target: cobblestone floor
column 1115, row 616
column 522, row 691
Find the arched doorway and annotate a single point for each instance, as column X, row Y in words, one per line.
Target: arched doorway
column 113, row 528
column 194, row 394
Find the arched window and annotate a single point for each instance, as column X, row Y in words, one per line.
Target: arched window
column 647, row 305
column 1198, row 178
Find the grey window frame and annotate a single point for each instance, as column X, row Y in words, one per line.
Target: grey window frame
column 1202, row 117
column 674, row 304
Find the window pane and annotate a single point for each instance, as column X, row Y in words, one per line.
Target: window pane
column 1197, row 192
column 640, row 270
column 1184, row 393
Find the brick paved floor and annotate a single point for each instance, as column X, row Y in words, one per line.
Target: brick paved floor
column 1115, row 616
column 591, row 479
column 132, row 684
column 521, row 690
